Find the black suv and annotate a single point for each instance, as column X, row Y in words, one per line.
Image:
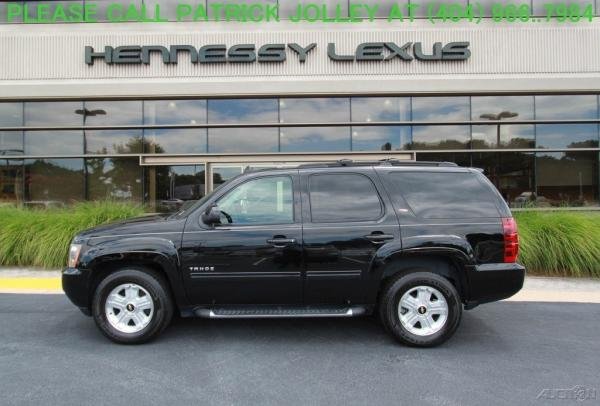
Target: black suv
column 412, row 242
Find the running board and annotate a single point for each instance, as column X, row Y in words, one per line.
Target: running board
column 254, row 312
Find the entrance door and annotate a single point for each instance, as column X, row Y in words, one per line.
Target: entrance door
column 255, row 255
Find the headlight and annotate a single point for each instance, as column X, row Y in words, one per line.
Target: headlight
column 74, row 255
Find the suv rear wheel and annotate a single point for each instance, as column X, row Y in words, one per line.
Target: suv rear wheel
column 420, row 309
column 132, row 305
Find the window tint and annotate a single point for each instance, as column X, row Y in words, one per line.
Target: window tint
column 445, row 195
column 266, row 200
column 343, row 197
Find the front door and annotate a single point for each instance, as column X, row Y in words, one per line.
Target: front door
column 255, row 255
column 346, row 220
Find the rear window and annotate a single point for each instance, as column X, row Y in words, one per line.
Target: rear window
column 444, row 195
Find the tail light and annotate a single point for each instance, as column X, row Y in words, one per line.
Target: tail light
column 511, row 239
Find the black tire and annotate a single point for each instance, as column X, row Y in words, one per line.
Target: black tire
column 393, row 292
column 157, row 288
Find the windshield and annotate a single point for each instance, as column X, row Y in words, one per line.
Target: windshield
column 187, row 210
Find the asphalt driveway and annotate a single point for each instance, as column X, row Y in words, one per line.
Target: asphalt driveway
column 504, row 353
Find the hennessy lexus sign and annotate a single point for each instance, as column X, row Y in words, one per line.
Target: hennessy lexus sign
column 250, row 53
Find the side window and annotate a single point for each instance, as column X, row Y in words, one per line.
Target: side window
column 445, row 195
column 343, row 197
column 267, row 200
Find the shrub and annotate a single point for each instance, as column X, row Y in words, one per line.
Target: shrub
column 560, row 243
column 41, row 237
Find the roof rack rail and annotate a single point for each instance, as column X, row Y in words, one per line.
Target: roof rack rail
column 383, row 162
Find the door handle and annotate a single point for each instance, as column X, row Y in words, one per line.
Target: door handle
column 281, row 242
column 379, row 238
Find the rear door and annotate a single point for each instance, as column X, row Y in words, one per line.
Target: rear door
column 346, row 218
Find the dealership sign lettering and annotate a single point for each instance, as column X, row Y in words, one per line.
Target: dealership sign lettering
column 250, row 53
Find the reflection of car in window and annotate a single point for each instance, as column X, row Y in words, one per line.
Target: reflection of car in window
column 414, row 242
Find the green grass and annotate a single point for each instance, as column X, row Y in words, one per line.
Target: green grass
column 557, row 243
column 560, row 243
column 41, row 237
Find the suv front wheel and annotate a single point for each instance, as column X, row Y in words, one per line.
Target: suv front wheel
column 132, row 305
column 420, row 309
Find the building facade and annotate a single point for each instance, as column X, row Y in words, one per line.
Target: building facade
column 163, row 112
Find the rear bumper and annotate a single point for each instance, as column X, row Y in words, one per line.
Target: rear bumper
column 75, row 283
column 492, row 282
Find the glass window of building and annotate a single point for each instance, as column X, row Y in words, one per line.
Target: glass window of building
column 11, row 181
column 243, row 111
column 567, row 179
column 564, row 107
column 441, row 109
column 314, row 110
column 53, row 182
column 377, row 109
column 53, row 114
column 388, row 138
column 513, row 174
column 502, row 108
column 114, row 179
column 113, row 113
column 288, row 9
column 567, row 135
column 174, row 141
column 11, row 115
column 459, row 158
column 222, row 173
column 267, row 200
column 172, row 188
column 315, row 139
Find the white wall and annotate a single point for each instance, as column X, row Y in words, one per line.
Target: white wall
column 39, row 61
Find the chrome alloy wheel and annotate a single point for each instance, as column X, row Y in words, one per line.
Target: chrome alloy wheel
column 423, row 310
column 129, row 308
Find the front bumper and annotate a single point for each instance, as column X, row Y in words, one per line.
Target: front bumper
column 75, row 283
column 492, row 282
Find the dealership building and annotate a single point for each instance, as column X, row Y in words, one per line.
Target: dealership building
column 164, row 112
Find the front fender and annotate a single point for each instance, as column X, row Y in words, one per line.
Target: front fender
column 160, row 252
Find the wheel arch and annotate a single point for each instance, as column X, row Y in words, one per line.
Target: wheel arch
column 447, row 264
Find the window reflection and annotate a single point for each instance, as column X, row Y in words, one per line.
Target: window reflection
column 11, row 142
column 175, row 140
column 315, row 139
column 440, row 108
column 441, row 137
column 11, row 181
column 567, row 135
column 314, row 110
column 503, row 136
column 564, row 107
column 40, row 114
column 113, row 113
column 114, row 179
column 233, row 140
column 567, row 179
column 11, row 114
column 381, row 138
column 51, row 182
column 222, row 173
column 459, row 158
column 53, row 142
column 367, row 109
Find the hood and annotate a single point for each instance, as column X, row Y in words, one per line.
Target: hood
column 139, row 225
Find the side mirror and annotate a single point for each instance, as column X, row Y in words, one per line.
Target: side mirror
column 212, row 215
